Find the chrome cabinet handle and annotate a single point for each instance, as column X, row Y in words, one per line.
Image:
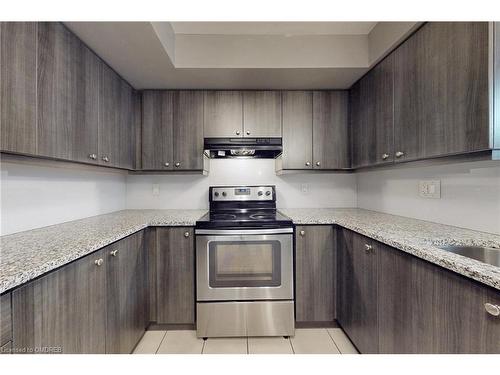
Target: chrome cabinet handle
column 177, row 165
column 399, row 154
column 114, row 253
column 318, row 163
column 238, row 132
column 186, row 234
column 105, row 159
column 492, row 309
column 248, row 132
column 99, row 262
column 302, row 233
column 368, row 248
column 167, row 164
column 385, row 156
column 307, row 164
column 93, row 156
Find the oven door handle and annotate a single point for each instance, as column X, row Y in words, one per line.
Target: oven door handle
column 243, row 231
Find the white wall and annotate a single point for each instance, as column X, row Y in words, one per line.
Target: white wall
column 34, row 196
column 470, row 194
column 188, row 191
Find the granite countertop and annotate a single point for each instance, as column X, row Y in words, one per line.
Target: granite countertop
column 417, row 237
column 27, row 255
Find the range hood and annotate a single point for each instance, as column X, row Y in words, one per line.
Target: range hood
column 243, row 147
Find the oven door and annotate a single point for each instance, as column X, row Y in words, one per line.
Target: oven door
column 239, row 265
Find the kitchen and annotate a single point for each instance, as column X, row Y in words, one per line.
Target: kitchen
column 199, row 187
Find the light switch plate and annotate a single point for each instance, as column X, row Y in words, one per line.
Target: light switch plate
column 429, row 189
column 156, row 189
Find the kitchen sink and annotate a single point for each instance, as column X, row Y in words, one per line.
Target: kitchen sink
column 488, row 255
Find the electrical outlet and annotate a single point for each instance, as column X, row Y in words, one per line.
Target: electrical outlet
column 156, row 189
column 304, row 188
column 429, row 189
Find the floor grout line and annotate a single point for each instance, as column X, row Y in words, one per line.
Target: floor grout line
column 334, row 343
column 161, row 342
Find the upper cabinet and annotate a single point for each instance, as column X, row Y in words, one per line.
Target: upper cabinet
column 330, row 130
column 172, row 130
column 18, row 86
column 68, row 80
column 297, row 130
column 223, row 114
column 262, row 114
column 371, row 110
column 315, row 130
column 441, row 98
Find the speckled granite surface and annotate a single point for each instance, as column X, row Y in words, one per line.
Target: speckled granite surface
column 417, row 237
column 27, row 255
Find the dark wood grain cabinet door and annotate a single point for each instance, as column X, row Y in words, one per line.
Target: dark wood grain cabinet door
column 64, row 311
column 175, row 275
column 5, row 319
column 157, row 129
column 330, row 130
column 358, row 269
column 110, row 97
column 67, row 95
column 441, row 91
column 127, row 293
column 315, row 274
column 371, row 119
column 223, row 114
column 262, row 114
column 297, row 129
column 18, row 86
column 188, row 130
column 126, row 132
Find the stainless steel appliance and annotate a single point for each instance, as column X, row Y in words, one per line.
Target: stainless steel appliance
column 244, row 265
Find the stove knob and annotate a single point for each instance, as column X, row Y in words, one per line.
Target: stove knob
column 224, row 194
column 216, row 194
column 268, row 193
column 260, row 193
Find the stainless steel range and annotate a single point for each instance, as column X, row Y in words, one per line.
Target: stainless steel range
column 244, row 265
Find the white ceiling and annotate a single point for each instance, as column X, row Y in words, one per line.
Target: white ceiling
column 273, row 28
column 249, row 55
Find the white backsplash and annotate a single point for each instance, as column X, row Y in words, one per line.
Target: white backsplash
column 34, row 196
column 191, row 191
column 470, row 194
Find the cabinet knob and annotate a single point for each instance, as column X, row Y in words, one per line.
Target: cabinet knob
column 308, row 164
column 248, row 132
column 186, row 234
column 385, row 156
column 302, row 233
column 105, row 159
column 99, row 262
column 93, row 156
column 318, row 163
column 492, row 309
column 167, row 164
column 399, row 154
column 238, row 132
column 368, row 248
column 114, row 253
column 177, row 165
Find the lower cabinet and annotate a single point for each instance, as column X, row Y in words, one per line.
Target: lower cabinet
column 357, row 288
column 175, row 275
column 315, row 275
column 393, row 302
column 93, row 305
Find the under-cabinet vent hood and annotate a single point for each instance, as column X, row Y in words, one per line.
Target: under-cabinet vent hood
column 243, row 147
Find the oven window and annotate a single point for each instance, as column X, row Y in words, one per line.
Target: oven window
column 244, row 264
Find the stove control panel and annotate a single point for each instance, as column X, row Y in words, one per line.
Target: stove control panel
column 242, row 193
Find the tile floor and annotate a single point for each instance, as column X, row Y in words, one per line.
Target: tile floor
column 305, row 341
